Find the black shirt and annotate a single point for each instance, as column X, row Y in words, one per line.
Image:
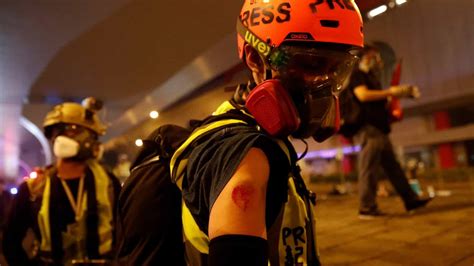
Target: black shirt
column 213, row 162
column 64, row 206
column 374, row 113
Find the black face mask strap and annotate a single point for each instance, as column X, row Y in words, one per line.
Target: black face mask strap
column 305, row 150
column 268, row 74
column 241, row 92
column 250, row 86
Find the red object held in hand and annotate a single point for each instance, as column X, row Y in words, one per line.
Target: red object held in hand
column 395, row 110
column 394, row 106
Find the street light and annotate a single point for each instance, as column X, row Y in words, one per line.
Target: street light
column 139, row 142
column 154, row 114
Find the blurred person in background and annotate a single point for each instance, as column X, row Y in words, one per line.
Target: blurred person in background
column 69, row 205
column 122, row 168
column 377, row 150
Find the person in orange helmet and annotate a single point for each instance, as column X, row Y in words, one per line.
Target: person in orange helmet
column 245, row 202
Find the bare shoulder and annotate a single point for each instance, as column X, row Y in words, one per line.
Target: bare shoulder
column 254, row 168
column 240, row 207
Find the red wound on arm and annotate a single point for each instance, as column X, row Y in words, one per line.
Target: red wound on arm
column 242, row 195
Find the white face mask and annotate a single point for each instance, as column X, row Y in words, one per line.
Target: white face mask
column 65, row 147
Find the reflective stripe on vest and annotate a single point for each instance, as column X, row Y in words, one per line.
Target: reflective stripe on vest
column 104, row 210
column 179, row 171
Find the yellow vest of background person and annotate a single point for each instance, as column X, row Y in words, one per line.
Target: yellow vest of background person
column 74, row 240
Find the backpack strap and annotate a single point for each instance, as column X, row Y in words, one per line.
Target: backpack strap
column 237, row 114
column 147, row 162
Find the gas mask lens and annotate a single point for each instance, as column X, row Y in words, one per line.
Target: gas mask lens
column 313, row 66
column 314, row 79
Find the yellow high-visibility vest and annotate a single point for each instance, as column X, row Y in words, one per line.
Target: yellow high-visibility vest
column 297, row 217
column 104, row 194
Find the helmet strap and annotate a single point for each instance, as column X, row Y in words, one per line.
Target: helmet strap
column 305, row 149
column 268, row 73
column 242, row 91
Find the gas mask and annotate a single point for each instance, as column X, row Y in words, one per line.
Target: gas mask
column 75, row 142
column 314, row 78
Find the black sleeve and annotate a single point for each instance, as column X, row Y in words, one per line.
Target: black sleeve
column 18, row 222
column 214, row 162
column 237, row 250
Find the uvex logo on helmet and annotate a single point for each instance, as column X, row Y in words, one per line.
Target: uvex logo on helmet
column 256, row 43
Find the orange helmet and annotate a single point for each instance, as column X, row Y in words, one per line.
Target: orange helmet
column 266, row 24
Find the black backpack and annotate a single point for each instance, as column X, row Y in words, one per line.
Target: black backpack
column 351, row 114
column 149, row 223
column 149, row 228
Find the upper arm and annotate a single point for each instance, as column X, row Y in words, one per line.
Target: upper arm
column 363, row 94
column 360, row 92
column 240, row 207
